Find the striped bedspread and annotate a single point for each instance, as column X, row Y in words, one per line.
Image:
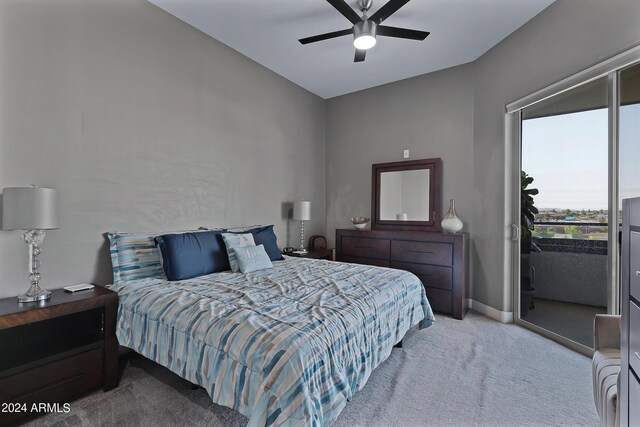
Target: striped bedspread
column 284, row 346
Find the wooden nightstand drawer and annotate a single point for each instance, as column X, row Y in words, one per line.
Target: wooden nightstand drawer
column 363, row 247
column 63, row 379
column 432, row 276
column 422, row 252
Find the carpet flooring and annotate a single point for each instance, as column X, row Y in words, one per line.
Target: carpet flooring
column 475, row 372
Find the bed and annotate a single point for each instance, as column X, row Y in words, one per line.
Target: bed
column 286, row 346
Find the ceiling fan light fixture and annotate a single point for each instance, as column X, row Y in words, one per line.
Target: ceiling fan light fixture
column 364, row 35
column 364, row 42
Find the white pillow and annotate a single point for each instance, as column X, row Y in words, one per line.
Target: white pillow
column 252, row 258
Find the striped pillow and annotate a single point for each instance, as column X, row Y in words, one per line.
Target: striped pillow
column 136, row 256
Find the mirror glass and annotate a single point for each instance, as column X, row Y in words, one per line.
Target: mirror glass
column 404, row 195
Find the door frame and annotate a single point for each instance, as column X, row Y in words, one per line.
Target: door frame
column 513, row 151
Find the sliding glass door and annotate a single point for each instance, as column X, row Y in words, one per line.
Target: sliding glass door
column 578, row 155
column 564, row 226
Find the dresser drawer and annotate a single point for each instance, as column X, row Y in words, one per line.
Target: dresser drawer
column 422, row 252
column 634, row 337
column 439, row 299
column 634, row 262
column 53, row 382
column 365, row 261
column 363, row 247
column 432, row 276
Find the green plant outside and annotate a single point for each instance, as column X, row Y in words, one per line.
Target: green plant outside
column 527, row 208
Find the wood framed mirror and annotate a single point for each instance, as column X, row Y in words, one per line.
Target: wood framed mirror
column 407, row 195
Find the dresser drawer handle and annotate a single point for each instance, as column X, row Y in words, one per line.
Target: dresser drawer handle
column 364, row 247
column 637, row 355
column 638, row 273
column 420, row 252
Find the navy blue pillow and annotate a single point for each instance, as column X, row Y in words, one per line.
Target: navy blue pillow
column 266, row 237
column 190, row 255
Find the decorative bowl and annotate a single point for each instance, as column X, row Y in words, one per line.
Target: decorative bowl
column 359, row 222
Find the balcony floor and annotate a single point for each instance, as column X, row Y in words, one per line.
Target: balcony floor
column 573, row 321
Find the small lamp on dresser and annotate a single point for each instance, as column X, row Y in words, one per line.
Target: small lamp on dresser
column 35, row 210
column 302, row 212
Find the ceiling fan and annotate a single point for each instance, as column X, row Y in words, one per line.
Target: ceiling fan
column 366, row 29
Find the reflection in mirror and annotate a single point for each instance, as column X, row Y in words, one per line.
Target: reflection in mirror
column 404, row 195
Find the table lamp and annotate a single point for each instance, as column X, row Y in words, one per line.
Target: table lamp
column 33, row 209
column 302, row 212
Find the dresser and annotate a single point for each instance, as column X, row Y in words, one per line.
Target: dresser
column 439, row 260
column 629, row 399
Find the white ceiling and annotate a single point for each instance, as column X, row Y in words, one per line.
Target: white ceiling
column 268, row 33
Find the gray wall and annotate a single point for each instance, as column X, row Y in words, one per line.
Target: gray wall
column 567, row 37
column 143, row 123
column 431, row 115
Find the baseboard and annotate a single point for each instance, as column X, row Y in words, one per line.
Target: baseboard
column 494, row 313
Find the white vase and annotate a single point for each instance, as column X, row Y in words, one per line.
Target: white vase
column 451, row 223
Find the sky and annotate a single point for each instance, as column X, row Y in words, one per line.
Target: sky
column 567, row 157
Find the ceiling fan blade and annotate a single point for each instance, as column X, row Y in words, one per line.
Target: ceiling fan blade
column 345, row 10
column 403, row 33
column 325, row 36
column 387, row 10
column 360, row 54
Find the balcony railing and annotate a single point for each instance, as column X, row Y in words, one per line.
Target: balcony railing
column 571, row 230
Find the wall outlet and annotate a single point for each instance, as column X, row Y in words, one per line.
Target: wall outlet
column 406, row 154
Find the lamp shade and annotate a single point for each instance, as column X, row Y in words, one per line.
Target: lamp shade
column 29, row 208
column 302, row 210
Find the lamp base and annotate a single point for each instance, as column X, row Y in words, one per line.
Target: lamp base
column 38, row 294
column 302, row 250
column 34, row 239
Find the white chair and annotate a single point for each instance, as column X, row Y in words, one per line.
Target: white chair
column 606, row 368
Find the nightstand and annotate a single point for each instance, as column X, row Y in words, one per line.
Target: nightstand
column 313, row 253
column 57, row 350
